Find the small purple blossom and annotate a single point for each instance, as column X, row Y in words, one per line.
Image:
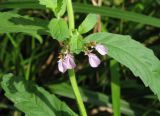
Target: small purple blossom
column 69, row 60
column 66, row 62
column 101, row 49
column 94, row 61
column 62, row 66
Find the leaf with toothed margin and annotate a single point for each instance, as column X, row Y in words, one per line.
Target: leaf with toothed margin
column 32, row 99
column 57, row 6
column 139, row 59
column 61, row 7
column 52, row 4
column 59, row 29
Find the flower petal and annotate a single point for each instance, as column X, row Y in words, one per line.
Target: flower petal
column 101, row 49
column 62, row 66
column 69, row 60
column 94, row 61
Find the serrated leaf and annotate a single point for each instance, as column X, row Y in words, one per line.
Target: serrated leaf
column 57, row 6
column 61, row 8
column 14, row 23
column 89, row 22
column 76, row 44
column 33, row 100
column 52, row 4
column 59, row 29
column 139, row 59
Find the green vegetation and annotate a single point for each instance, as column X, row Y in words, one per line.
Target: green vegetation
column 53, row 58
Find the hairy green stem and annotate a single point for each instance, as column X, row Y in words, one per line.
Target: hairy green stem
column 77, row 93
column 71, row 72
column 70, row 15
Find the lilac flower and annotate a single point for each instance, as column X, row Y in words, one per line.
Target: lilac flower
column 62, row 66
column 94, row 61
column 101, row 49
column 69, row 60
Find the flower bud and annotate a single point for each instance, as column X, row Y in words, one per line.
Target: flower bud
column 101, row 49
column 62, row 67
column 94, row 61
column 69, row 60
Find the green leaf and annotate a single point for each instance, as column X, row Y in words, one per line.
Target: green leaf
column 139, row 59
column 59, row 29
column 14, row 23
column 89, row 22
column 52, row 4
column 76, row 44
column 33, row 100
column 57, row 6
column 61, row 8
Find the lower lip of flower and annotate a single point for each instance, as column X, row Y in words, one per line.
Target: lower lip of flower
column 69, row 61
column 94, row 61
column 62, row 66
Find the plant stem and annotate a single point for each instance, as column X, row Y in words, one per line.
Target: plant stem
column 71, row 72
column 115, row 86
column 77, row 92
column 70, row 15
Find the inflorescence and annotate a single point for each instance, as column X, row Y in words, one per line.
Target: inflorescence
column 66, row 59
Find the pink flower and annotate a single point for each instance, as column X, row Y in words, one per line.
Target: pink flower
column 101, row 49
column 94, row 61
column 69, row 60
column 66, row 63
column 62, row 66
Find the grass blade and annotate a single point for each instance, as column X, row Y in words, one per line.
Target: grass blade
column 117, row 13
column 85, row 8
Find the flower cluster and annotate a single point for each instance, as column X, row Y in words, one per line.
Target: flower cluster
column 66, row 60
